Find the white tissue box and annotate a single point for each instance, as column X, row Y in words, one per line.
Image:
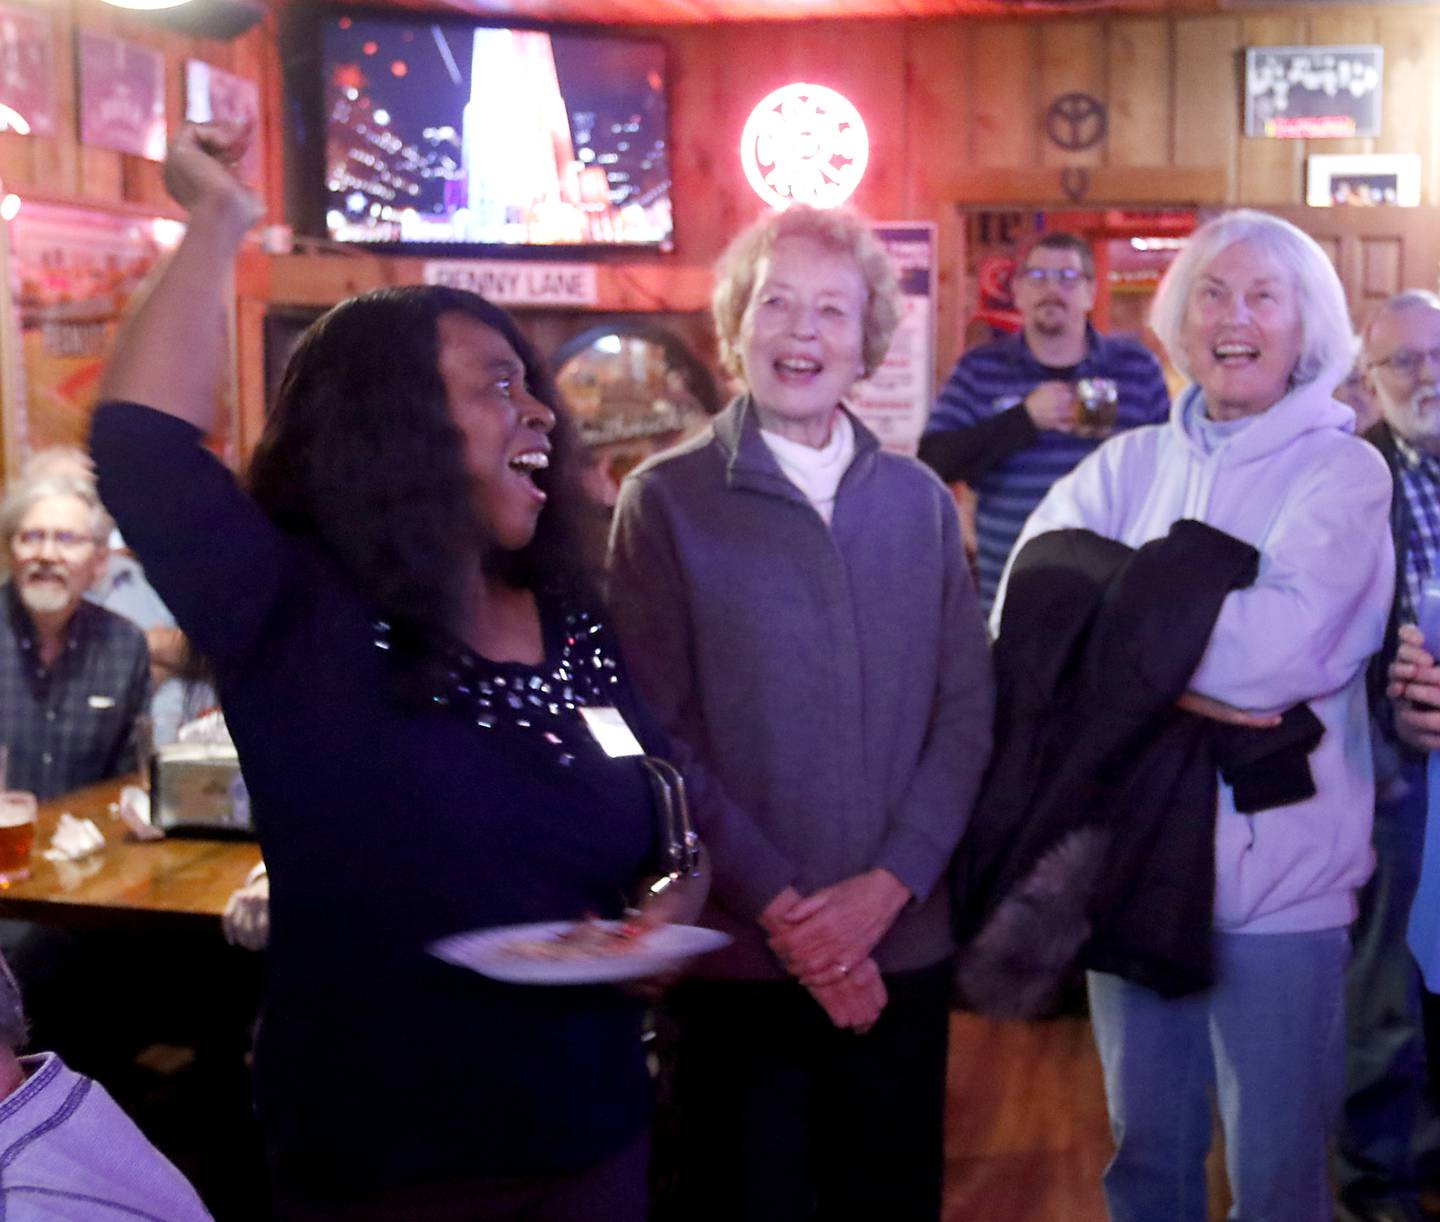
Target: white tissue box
column 196, row 787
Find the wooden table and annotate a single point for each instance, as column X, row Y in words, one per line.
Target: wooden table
column 174, row 883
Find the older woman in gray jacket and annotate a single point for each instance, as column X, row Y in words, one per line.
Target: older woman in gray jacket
column 795, row 603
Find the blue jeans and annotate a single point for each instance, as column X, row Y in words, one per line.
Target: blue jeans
column 1266, row 1041
column 1389, row 1122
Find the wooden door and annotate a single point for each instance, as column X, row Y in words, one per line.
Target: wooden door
column 1377, row 251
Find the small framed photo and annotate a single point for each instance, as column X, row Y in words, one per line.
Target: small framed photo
column 1363, row 180
column 213, row 95
column 27, row 71
column 1313, row 93
column 122, row 95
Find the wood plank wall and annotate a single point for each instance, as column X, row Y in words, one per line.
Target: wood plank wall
column 955, row 111
column 949, row 99
column 59, row 167
column 954, row 108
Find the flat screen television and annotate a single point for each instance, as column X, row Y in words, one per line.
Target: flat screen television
column 441, row 132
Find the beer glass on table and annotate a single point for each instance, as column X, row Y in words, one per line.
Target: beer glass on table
column 17, row 828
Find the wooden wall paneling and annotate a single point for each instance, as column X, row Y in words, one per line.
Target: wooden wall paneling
column 1139, row 58
column 718, row 78
column 1135, row 186
column 938, row 80
column 101, row 174
column 1377, row 251
column 1004, row 99
column 1206, row 92
column 1380, row 269
column 875, row 83
column 949, row 290
column 252, row 57
column 712, row 90
column 1271, row 171
column 17, row 160
column 57, row 159
column 248, row 419
column 1339, row 29
column 1410, row 119
column 1071, row 60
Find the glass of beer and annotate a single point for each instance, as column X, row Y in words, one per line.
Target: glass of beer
column 1097, row 401
column 17, row 835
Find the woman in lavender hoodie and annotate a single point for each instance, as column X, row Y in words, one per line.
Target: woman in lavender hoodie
column 1253, row 313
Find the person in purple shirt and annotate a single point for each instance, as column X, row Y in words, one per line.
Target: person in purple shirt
column 66, row 1148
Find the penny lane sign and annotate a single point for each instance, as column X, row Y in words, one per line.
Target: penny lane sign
column 518, row 284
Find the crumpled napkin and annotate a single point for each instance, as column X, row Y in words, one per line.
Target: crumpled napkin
column 207, row 728
column 73, row 839
column 134, row 813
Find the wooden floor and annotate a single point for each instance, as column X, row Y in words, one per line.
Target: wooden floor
column 1026, row 1136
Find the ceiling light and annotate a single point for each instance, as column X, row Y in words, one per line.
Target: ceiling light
column 147, row 4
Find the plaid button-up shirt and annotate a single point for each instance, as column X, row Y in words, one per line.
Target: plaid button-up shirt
column 1419, row 477
column 73, row 724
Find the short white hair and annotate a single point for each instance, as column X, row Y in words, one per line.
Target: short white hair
column 1410, row 299
column 29, row 490
column 1327, row 343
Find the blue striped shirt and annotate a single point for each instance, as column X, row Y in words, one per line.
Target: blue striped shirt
column 996, row 377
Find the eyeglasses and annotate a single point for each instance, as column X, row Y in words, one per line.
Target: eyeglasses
column 1065, row 277
column 67, row 542
column 1409, row 362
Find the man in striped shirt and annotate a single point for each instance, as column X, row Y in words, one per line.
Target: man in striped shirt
column 1007, row 423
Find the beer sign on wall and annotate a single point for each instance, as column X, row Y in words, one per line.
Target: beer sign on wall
column 804, row 144
column 1308, row 93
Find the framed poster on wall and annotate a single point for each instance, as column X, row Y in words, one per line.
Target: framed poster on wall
column 894, row 401
column 1309, row 93
column 27, row 70
column 213, row 95
column 73, row 272
column 122, row 95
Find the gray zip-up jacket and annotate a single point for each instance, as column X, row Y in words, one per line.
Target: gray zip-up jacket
column 827, row 688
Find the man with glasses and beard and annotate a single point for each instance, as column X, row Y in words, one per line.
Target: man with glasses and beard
column 1023, row 410
column 1390, row 1127
column 73, row 676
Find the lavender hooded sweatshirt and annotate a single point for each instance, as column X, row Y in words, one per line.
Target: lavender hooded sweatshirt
column 1314, row 500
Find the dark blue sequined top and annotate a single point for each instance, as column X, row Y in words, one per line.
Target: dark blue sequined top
column 388, row 824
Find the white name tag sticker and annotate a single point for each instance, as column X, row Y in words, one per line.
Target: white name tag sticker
column 101, row 702
column 609, row 730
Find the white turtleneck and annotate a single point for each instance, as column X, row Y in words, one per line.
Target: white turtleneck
column 816, row 473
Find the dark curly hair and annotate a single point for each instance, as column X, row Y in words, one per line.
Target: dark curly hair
column 361, row 455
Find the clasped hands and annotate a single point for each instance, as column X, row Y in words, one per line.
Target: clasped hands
column 825, row 939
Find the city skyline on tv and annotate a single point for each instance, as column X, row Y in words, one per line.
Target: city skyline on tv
column 444, row 133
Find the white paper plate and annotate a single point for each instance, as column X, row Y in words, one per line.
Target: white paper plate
column 484, row 951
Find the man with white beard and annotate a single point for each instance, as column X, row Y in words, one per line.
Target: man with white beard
column 73, row 676
column 1390, row 1128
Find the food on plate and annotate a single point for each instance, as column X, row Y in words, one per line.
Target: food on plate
column 590, row 938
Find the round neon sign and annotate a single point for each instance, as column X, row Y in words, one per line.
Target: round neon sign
column 804, row 144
